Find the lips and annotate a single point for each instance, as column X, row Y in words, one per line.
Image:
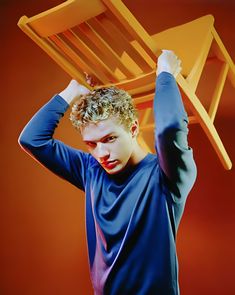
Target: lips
column 109, row 164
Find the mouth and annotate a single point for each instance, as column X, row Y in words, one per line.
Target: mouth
column 109, row 164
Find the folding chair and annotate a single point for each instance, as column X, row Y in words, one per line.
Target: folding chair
column 104, row 39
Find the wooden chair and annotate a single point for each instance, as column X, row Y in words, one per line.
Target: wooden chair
column 104, row 39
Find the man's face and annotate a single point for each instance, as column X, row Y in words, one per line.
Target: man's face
column 110, row 143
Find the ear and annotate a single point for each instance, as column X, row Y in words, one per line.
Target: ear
column 134, row 128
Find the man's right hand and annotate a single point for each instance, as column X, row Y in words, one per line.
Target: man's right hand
column 73, row 91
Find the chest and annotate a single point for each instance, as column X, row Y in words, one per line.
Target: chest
column 118, row 205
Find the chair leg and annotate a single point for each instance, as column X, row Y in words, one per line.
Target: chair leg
column 205, row 122
column 218, row 91
column 222, row 53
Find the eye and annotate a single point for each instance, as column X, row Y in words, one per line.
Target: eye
column 91, row 144
column 110, row 139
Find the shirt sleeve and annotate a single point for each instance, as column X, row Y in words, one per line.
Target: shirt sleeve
column 37, row 140
column 174, row 154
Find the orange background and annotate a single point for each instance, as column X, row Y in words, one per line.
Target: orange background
column 43, row 246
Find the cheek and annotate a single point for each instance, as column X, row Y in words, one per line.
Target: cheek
column 124, row 146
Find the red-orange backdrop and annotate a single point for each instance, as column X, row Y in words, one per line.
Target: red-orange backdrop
column 43, row 246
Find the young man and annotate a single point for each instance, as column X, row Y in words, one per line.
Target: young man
column 134, row 200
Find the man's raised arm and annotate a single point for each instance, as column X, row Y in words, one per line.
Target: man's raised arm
column 175, row 156
column 37, row 138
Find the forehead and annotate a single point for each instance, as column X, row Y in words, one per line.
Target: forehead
column 96, row 131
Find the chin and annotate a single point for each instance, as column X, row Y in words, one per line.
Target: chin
column 115, row 170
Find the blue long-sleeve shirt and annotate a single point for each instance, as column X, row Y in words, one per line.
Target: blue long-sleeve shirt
column 131, row 218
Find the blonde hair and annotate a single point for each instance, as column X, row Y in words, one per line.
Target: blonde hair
column 102, row 103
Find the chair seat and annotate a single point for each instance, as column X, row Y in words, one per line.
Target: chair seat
column 196, row 39
column 187, row 40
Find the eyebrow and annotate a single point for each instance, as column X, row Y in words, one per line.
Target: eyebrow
column 100, row 139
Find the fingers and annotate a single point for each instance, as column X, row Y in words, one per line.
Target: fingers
column 76, row 88
column 90, row 80
column 169, row 62
column 178, row 67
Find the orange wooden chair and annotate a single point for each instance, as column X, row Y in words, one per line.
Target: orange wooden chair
column 104, row 39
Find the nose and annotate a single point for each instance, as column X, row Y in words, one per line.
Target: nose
column 101, row 151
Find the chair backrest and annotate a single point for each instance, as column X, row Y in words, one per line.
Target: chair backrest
column 99, row 37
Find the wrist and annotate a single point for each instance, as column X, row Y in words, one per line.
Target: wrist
column 67, row 95
column 161, row 70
